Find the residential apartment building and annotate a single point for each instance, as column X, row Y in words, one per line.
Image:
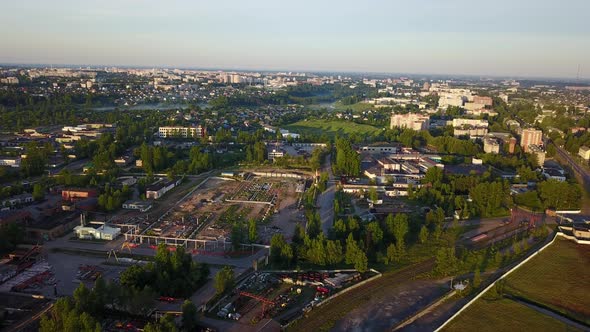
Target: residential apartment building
column 491, row 145
column 469, row 127
column 530, row 137
column 183, row 132
column 537, row 151
column 411, row 121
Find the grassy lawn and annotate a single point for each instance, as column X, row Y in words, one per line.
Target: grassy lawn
column 330, row 128
column 559, row 277
column 504, row 315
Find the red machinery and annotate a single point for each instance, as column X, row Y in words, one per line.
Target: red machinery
column 266, row 303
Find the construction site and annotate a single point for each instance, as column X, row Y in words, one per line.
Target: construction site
column 202, row 221
column 282, row 296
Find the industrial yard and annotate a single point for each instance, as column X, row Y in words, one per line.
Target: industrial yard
column 203, row 220
column 283, row 296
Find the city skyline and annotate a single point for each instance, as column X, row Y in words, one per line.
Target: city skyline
column 527, row 39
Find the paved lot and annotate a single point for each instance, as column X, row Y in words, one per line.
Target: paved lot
column 65, row 269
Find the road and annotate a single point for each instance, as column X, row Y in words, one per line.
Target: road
column 581, row 173
column 326, row 199
column 25, row 325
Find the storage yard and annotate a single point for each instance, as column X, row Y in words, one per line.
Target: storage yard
column 283, row 296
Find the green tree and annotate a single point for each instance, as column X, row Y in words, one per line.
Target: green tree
column 280, row 251
column 392, row 254
column 224, row 279
column 476, row 279
column 166, row 324
column 189, row 316
column 252, row 231
column 446, row 262
column 375, row 233
column 351, row 250
column 38, row 192
column 399, row 229
column 423, row 236
column 340, row 229
column 333, row 252
column 314, row 224
column 361, row 262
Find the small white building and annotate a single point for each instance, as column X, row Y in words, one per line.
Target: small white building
column 103, row 232
column 584, row 152
column 10, row 161
column 275, row 153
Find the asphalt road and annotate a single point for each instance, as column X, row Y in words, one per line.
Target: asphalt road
column 581, row 171
column 326, row 199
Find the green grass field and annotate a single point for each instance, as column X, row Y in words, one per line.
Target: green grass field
column 559, row 277
column 330, row 128
column 504, row 315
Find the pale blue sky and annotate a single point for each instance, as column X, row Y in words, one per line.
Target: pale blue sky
column 500, row 37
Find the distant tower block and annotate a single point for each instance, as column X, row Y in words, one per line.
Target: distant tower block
column 511, row 145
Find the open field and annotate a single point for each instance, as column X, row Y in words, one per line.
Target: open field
column 330, row 128
column 559, row 277
column 504, row 315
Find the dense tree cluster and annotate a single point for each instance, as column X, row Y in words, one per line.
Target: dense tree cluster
column 112, row 199
column 82, row 311
column 491, row 199
column 256, row 153
column 171, row 274
column 347, row 159
column 560, row 195
column 154, row 158
column 36, row 160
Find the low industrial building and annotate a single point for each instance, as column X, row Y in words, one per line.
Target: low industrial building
column 141, row 206
column 103, row 232
column 159, row 189
column 17, row 200
column 71, row 195
column 13, row 162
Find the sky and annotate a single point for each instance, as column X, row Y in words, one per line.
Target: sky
column 517, row 38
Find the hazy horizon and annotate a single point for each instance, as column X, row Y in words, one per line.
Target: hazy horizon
column 536, row 39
